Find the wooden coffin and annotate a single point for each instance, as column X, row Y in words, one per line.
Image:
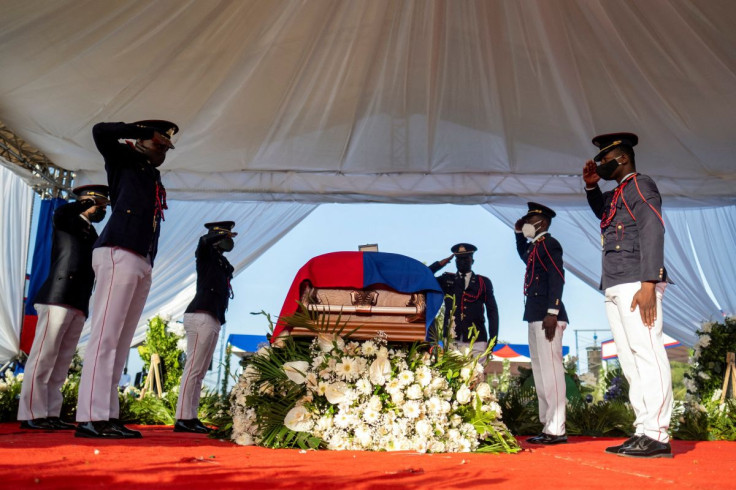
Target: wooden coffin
column 400, row 316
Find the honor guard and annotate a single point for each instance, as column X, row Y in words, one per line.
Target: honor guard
column 62, row 304
column 468, row 293
column 122, row 260
column 203, row 319
column 545, row 313
column 634, row 280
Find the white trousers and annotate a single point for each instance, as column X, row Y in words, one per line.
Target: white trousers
column 123, row 279
column 643, row 360
column 549, row 377
column 202, row 331
column 54, row 344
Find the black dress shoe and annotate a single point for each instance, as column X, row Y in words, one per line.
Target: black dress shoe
column 646, row 447
column 535, row 439
column 37, row 424
column 202, row 426
column 628, row 442
column 60, row 424
column 548, row 439
column 192, row 426
column 127, row 433
column 98, row 429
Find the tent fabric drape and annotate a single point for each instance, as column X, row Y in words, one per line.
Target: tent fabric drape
column 259, row 225
column 381, row 100
column 692, row 237
column 15, row 222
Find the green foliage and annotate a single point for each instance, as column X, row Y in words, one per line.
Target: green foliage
column 163, row 341
column 9, row 395
column 603, row 419
column 520, row 410
column 715, row 340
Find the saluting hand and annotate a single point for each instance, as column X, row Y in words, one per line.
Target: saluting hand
column 590, row 177
column 646, row 300
column 445, row 261
column 519, row 223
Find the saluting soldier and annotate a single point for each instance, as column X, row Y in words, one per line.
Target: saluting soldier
column 203, row 318
column 545, row 313
column 634, row 279
column 122, row 260
column 62, row 304
column 470, row 293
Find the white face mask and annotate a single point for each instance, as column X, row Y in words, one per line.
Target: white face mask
column 529, row 230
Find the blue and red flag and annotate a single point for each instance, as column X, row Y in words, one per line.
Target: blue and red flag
column 39, row 268
column 362, row 270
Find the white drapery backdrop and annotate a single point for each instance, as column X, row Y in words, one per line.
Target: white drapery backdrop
column 259, row 225
column 16, row 206
column 698, row 257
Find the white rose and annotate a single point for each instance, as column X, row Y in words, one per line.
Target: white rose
column 296, row 371
column 484, row 391
column 463, row 395
column 465, row 373
column 414, row 392
column 298, row 419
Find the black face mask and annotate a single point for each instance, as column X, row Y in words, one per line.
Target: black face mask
column 98, row 215
column 463, row 264
column 605, row 171
column 226, row 244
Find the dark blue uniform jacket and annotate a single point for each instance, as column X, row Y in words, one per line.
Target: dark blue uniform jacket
column 71, row 277
column 544, row 278
column 213, row 279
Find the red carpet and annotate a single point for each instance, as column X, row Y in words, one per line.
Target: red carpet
column 29, row 459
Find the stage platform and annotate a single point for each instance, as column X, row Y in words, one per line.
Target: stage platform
column 164, row 459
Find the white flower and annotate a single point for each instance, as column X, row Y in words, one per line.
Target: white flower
column 181, row 344
column 463, row 395
column 393, row 385
column 347, row 369
column 371, row 416
column 312, row 381
column 397, row 397
column 363, row 386
column 484, row 391
column 322, row 388
column 414, row 392
column 456, row 420
column 342, row 419
column 375, row 403
column 380, row 369
column 369, row 348
column 423, row 428
column 364, row 435
column 434, row 405
column 296, row 371
column 327, row 342
column 411, row 409
column 405, row 377
column 335, row 392
column 244, row 439
column 465, row 373
column 19, row 378
column 298, row 419
column 176, row 329
column 424, row 376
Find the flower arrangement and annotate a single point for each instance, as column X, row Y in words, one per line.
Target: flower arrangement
column 332, row 392
column 168, row 340
column 703, row 416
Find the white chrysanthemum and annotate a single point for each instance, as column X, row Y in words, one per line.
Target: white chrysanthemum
column 405, row 377
column 463, row 395
column 411, row 409
column 176, row 329
column 393, row 385
column 369, row 349
column 437, row 447
column 324, row 423
column 371, row 416
column 364, row 435
column 423, row 428
column 322, row 388
column 434, row 405
column 181, row 344
column 414, row 392
column 347, row 369
column 363, row 386
column 296, row 371
column 446, row 407
column 423, row 376
column 298, row 419
column 342, row 419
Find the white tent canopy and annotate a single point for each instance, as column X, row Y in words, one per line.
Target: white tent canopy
column 425, row 101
